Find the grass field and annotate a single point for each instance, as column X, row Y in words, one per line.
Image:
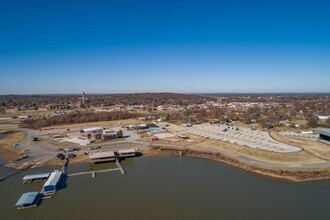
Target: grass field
column 7, row 151
column 302, row 157
column 313, row 147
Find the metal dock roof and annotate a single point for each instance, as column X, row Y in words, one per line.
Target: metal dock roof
column 102, row 155
column 36, row 176
column 53, row 179
column 27, row 199
column 123, row 151
column 324, row 131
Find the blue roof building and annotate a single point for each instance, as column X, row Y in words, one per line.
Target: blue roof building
column 52, row 183
column 28, row 200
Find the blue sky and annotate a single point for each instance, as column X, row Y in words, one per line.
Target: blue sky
column 164, row 46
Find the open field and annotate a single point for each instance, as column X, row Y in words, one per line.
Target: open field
column 301, row 157
column 40, row 111
column 312, row 146
column 95, row 124
column 7, row 151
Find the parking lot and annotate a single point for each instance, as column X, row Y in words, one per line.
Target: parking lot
column 300, row 135
column 241, row 136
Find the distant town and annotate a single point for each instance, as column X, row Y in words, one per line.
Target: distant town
column 268, row 111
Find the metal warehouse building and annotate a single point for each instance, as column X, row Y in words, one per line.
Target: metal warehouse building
column 52, row 183
column 324, row 133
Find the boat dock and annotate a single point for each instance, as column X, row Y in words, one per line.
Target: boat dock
column 36, row 178
column 28, row 200
column 50, row 187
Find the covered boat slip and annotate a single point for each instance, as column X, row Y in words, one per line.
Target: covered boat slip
column 28, row 200
column 126, row 153
column 102, row 157
column 36, row 177
column 52, row 183
column 108, row 156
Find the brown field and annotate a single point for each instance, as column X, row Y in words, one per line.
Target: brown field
column 7, row 151
column 13, row 112
column 313, row 147
column 95, row 124
column 302, row 157
column 58, row 162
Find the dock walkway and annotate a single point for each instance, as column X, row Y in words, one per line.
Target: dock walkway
column 92, row 171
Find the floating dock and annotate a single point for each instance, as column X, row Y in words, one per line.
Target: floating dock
column 36, row 178
column 28, row 200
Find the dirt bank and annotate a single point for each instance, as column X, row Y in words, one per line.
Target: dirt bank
column 7, row 149
column 292, row 174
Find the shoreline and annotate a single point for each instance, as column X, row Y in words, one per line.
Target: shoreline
column 292, row 174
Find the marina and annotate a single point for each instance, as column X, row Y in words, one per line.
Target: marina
column 190, row 188
column 54, row 179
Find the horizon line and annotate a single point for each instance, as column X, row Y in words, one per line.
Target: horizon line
column 183, row 93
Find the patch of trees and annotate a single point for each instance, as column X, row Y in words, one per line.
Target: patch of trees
column 151, row 99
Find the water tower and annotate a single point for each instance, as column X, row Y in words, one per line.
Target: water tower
column 83, row 98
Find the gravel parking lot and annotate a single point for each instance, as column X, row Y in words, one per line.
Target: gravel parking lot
column 300, row 135
column 242, row 136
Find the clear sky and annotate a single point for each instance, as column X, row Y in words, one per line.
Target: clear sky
column 64, row 46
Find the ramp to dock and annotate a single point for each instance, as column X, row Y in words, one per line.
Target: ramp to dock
column 120, row 166
column 65, row 165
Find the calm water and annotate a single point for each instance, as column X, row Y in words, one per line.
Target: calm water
column 171, row 188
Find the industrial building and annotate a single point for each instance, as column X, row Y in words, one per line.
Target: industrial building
column 109, row 134
column 324, row 133
column 92, row 130
column 36, row 178
column 28, row 200
column 153, row 131
column 102, row 157
column 126, row 153
column 92, row 133
column 51, row 185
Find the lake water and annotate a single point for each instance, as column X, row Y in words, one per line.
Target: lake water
column 170, row 187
